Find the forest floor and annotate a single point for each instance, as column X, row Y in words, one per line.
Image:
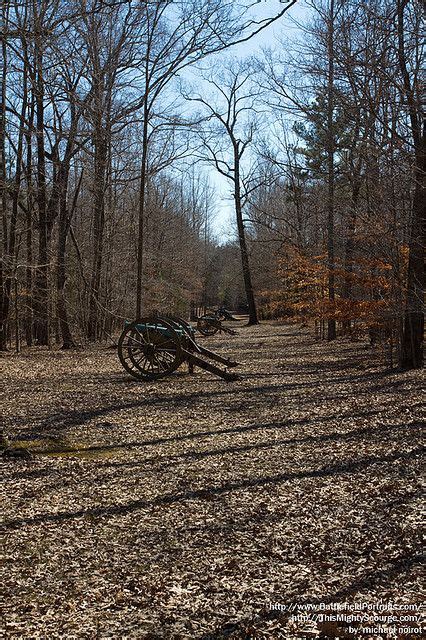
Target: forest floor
column 195, row 508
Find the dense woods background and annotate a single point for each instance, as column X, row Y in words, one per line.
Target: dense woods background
column 113, row 116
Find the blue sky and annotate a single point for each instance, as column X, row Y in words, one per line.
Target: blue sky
column 285, row 26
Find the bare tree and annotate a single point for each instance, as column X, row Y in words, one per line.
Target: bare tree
column 103, row 75
column 413, row 330
column 4, row 299
column 226, row 114
column 174, row 43
column 372, row 148
column 331, row 328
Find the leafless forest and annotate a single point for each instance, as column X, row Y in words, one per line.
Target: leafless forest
column 169, row 157
column 115, row 114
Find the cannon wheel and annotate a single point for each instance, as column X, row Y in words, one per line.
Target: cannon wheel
column 205, row 327
column 150, row 348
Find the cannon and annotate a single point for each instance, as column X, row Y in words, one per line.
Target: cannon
column 209, row 324
column 153, row 347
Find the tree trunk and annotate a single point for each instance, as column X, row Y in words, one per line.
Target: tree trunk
column 331, row 325
column 413, row 327
column 253, row 319
column 142, row 190
column 64, row 226
column 11, row 242
column 411, row 356
column 29, row 231
column 101, row 151
column 349, row 249
column 3, row 196
column 41, row 298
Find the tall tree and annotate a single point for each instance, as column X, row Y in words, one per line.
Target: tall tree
column 176, row 39
column 226, row 112
column 331, row 325
column 45, row 216
column 4, row 302
column 109, row 36
column 413, row 330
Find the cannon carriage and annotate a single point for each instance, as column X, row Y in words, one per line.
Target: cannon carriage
column 153, row 347
column 211, row 323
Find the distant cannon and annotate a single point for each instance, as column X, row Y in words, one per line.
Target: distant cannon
column 211, row 323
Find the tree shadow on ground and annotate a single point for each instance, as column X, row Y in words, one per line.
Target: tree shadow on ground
column 369, row 580
column 75, row 417
column 353, row 435
column 258, row 426
column 344, row 467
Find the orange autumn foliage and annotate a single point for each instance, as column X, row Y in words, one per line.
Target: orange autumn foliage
column 303, row 291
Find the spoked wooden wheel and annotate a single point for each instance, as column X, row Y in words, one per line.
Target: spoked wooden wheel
column 205, row 326
column 149, row 348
